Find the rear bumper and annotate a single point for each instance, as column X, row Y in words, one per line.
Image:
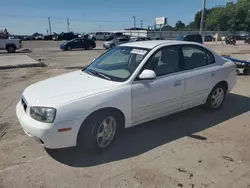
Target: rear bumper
column 47, row 134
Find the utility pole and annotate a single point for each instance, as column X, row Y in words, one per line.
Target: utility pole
column 134, row 21
column 141, row 23
column 202, row 16
column 49, row 26
column 68, row 23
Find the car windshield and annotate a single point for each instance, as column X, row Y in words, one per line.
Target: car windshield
column 109, row 38
column 117, row 64
column 73, row 40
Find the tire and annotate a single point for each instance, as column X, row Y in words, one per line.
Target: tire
column 94, row 38
column 69, row 48
column 11, row 48
column 89, row 48
column 246, row 71
column 217, row 97
column 93, row 135
column 112, row 46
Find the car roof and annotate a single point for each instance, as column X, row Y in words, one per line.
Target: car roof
column 153, row 43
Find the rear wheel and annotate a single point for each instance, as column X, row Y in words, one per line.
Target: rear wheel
column 216, row 97
column 11, row 48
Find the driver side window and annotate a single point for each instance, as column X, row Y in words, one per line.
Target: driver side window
column 164, row 61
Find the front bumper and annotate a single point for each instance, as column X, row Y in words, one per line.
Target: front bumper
column 47, row 134
column 106, row 46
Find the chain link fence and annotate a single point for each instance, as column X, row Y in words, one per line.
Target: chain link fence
column 171, row 35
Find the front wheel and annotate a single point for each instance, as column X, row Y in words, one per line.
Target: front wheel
column 89, row 48
column 216, row 97
column 99, row 131
column 69, row 48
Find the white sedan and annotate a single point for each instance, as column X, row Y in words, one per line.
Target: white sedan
column 126, row 86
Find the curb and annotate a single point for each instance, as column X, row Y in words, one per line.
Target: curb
column 23, row 66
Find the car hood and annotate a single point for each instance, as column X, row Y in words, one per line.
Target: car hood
column 108, row 42
column 64, row 43
column 62, row 89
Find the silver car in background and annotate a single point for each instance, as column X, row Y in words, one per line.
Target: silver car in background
column 112, row 42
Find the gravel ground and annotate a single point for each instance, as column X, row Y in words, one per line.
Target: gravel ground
column 195, row 148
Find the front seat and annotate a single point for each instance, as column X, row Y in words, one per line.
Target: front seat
column 152, row 64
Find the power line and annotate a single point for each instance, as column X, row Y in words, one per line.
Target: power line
column 186, row 9
column 60, row 18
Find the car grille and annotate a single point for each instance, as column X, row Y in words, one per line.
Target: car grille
column 24, row 103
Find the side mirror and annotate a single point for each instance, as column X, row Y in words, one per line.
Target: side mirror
column 147, row 75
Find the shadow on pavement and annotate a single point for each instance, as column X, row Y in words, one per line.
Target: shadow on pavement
column 148, row 136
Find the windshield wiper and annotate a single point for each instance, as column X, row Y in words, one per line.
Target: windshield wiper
column 100, row 74
column 87, row 71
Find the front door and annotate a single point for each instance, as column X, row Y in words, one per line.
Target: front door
column 76, row 43
column 152, row 99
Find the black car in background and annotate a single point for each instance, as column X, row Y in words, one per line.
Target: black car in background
column 78, row 43
column 209, row 38
column 194, row 38
column 247, row 41
column 191, row 38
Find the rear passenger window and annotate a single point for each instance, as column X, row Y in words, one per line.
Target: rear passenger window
column 195, row 57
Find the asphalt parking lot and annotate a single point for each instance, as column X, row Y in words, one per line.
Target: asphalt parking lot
column 195, row 148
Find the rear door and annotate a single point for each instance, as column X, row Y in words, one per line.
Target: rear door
column 84, row 43
column 199, row 70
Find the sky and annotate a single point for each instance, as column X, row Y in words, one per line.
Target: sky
column 29, row 16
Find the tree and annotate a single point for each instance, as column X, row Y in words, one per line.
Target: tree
column 179, row 25
column 167, row 28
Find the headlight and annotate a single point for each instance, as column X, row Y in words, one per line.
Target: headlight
column 43, row 114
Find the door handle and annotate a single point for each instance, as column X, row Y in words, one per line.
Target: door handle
column 212, row 73
column 177, row 83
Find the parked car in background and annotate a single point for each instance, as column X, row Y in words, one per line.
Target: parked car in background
column 139, row 38
column 103, row 35
column 11, row 45
column 39, row 37
column 78, row 43
column 65, row 36
column 191, row 38
column 247, row 41
column 209, row 38
column 128, row 85
column 48, row 37
column 112, row 42
column 156, row 38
